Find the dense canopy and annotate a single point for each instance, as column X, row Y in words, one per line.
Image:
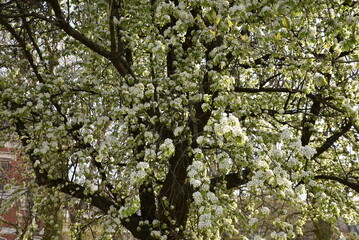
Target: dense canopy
column 187, row 119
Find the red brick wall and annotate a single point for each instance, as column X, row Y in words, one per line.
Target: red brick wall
column 14, row 171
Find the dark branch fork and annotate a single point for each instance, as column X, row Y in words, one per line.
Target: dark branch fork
column 23, row 46
column 118, row 61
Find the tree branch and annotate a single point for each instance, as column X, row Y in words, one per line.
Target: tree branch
column 316, row 58
column 265, row 90
column 231, row 180
column 306, row 123
column 22, row 43
column 112, row 28
column 64, row 25
column 148, row 201
column 29, row 33
column 354, row 186
column 332, row 139
column 118, row 61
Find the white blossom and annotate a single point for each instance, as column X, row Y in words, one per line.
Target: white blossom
column 317, row 76
column 292, row 162
column 236, row 8
column 141, row 174
column 229, row 126
column 296, row 144
column 150, row 154
column 280, row 235
column 196, row 165
column 195, row 182
column 308, row 151
column 37, row 163
column 255, row 183
column 276, row 153
column 200, row 140
column 285, row 134
column 219, row 210
column 265, row 210
column 262, row 164
column 192, row 172
column 156, row 234
column 252, row 221
column 178, row 130
column 225, row 163
column 266, row 8
column 212, row 197
column 257, row 237
column 205, row 187
column 148, row 135
column 204, row 221
column 142, row 165
column 197, row 151
column 197, row 197
column 167, row 147
column 110, row 229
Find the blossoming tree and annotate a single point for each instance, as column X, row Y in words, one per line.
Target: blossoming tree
column 163, row 115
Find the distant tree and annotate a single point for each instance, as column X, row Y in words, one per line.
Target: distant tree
column 164, row 114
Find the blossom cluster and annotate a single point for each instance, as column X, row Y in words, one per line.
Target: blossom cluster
column 225, row 162
column 140, row 174
column 167, row 149
column 229, row 126
column 194, row 173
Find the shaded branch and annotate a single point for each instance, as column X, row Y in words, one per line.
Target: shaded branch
column 354, row 186
column 265, row 90
column 74, row 190
column 29, row 33
column 231, row 180
column 22, row 43
column 258, row 61
column 64, row 25
column 306, row 123
column 148, row 201
column 332, row 139
column 316, row 58
column 112, row 27
column 119, row 62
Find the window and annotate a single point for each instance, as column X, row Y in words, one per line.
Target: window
column 4, row 167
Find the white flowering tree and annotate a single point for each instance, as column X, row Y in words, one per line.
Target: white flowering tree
column 163, row 115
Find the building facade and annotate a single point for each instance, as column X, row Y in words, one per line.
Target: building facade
column 14, row 207
column 9, row 220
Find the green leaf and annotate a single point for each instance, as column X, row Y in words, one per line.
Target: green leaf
column 245, row 38
column 277, row 37
column 218, row 19
column 229, row 22
column 213, row 15
column 286, row 22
